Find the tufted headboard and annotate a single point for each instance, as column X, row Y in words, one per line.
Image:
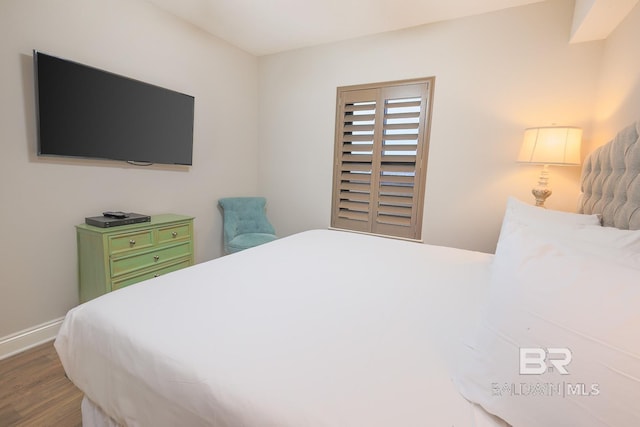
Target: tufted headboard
column 611, row 181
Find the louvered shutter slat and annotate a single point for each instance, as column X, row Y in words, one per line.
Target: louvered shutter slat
column 394, row 220
column 394, row 158
column 356, row 138
column 387, row 179
column 350, row 195
column 356, row 177
column 355, row 186
column 400, row 148
column 406, row 104
column 350, row 216
column 357, row 158
column 396, row 137
column 358, row 128
column 357, row 148
column 359, row 118
column 401, row 126
column 396, row 200
column 406, row 169
column 396, row 189
column 356, row 167
column 354, row 206
column 359, row 106
column 404, row 116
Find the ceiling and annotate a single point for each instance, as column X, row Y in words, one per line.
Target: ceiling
column 263, row 27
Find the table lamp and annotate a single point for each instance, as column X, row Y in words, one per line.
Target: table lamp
column 554, row 145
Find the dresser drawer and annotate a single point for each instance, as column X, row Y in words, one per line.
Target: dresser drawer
column 126, row 264
column 130, row 280
column 130, row 241
column 174, row 233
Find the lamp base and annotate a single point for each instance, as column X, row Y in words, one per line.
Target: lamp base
column 541, row 195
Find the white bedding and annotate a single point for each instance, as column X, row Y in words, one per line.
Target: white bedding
column 286, row 334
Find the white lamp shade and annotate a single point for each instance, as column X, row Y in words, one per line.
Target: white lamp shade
column 551, row 146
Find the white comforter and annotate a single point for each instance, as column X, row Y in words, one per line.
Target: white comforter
column 323, row 328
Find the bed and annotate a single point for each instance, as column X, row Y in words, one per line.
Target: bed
column 330, row 328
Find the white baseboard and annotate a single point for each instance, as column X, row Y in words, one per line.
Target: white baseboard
column 24, row 340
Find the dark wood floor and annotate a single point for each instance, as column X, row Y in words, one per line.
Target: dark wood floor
column 35, row 392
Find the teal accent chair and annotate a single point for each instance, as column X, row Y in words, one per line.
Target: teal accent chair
column 245, row 223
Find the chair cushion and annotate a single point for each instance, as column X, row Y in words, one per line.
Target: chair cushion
column 245, row 215
column 249, row 240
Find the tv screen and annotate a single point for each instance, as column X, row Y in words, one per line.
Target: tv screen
column 90, row 113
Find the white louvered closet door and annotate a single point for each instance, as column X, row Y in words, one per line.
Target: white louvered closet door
column 381, row 158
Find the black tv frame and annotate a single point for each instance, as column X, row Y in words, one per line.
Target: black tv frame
column 85, row 112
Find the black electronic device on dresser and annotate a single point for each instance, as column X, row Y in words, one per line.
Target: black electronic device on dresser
column 114, row 219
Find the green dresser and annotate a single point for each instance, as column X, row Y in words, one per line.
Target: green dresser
column 115, row 257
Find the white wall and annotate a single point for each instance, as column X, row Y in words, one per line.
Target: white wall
column 496, row 74
column 618, row 103
column 43, row 198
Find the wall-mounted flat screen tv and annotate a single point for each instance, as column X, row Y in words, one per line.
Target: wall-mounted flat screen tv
column 90, row 113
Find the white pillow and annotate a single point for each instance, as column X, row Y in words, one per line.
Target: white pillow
column 562, row 292
column 521, row 215
column 578, row 232
column 530, row 215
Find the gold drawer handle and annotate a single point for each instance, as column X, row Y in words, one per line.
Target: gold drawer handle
column 174, row 234
column 156, row 257
column 132, row 242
